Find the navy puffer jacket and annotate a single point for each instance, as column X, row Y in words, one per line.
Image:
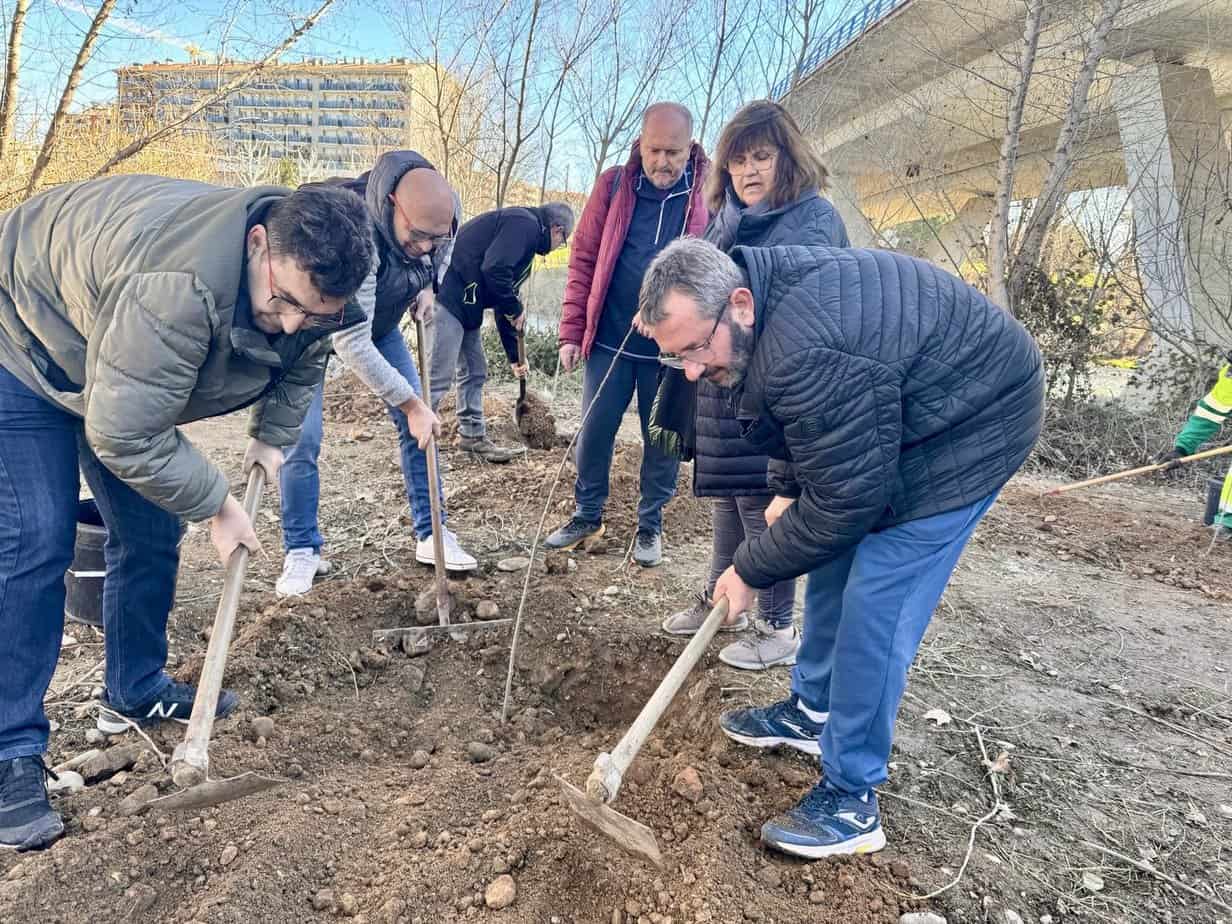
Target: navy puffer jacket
column 896, row 390
column 725, row 464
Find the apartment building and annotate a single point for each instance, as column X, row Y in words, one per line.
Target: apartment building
column 335, row 114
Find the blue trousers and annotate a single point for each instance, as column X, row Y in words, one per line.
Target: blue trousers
column 864, row 616
column 597, row 441
column 42, row 448
column 300, row 478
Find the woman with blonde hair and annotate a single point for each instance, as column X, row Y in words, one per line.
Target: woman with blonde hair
column 765, row 190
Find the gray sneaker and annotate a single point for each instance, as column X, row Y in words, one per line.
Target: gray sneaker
column 764, row 649
column 687, row 622
column 648, row 548
column 486, row 449
column 572, row 534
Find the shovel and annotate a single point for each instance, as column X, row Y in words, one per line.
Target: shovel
column 191, row 759
column 604, row 781
column 521, row 408
column 443, row 604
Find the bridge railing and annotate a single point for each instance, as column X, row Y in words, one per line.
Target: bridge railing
column 838, row 38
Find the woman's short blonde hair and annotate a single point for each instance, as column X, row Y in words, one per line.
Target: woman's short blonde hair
column 764, row 123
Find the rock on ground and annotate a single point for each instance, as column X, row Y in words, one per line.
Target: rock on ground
column 500, row 893
column 688, row 784
column 108, row 763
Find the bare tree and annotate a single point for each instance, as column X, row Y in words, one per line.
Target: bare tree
column 66, row 97
column 8, row 97
column 721, row 41
column 610, row 94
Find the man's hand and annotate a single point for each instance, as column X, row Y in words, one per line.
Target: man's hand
column 777, row 507
column 520, row 369
column 230, row 528
column 570, row 356
column 425, row 306
column 1170, row 461
column 263, row 454
column 422, row 423
column 739, row 594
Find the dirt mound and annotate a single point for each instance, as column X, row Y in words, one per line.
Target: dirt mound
column 349, row 401
column 537, row 425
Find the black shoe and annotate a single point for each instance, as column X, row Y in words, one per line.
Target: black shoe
column 27, row 821
column 173, row 704
column 572, row 534
column 648, row 549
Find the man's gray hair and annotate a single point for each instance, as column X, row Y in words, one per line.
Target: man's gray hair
column 558, row 213
column 695, row 268
column 675, row 108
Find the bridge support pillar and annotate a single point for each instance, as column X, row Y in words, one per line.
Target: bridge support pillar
column 956, row 239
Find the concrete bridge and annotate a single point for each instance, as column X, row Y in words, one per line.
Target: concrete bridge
column 906, row 100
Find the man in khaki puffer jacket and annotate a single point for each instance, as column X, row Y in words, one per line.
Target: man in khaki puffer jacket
column 129, row 305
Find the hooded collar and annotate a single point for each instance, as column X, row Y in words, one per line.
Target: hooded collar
column 383, row 179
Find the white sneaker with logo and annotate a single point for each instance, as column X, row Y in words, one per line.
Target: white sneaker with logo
column 456, row 558
column 298, row 570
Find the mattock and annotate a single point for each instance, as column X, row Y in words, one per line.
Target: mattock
column 603, row 784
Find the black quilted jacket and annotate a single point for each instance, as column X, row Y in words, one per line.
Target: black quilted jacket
column 725, row 465
column 895, row 390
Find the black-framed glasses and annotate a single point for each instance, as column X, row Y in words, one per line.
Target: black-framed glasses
column 311, row 318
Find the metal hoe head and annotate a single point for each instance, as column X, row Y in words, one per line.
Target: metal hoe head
column 631, row 836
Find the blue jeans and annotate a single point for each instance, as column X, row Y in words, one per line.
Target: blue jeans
column 597, row 441
column 300, row 479
column 41, row 450
column 864, row 616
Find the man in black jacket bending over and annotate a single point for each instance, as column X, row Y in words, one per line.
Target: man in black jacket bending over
column 491, row 259
column 897, row 401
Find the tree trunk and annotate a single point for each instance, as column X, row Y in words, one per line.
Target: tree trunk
column 1031, row 245
column 998, row 235
column 8, row 97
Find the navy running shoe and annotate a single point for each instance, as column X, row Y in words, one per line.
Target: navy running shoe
column 27, row 821
column 782, row 723
column 826, row 823
column 173, row 703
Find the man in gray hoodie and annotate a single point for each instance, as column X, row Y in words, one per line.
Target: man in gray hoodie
column 415, row 215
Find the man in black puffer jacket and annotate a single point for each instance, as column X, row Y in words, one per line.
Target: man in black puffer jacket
column 491, row 258
column 902, row 400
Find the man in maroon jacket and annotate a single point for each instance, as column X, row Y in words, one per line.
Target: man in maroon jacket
column 633, row 212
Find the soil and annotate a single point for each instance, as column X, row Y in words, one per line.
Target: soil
column 536, row 423
column 1072, row 690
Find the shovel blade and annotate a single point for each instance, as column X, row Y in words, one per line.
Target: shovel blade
column 631, row 836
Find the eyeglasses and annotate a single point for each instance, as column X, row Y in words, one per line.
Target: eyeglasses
column 694, row 354
column 743, row 164
column 417, row 236
column 284, row 303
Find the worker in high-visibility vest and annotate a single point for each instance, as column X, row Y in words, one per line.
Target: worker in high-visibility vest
column 1208, row 416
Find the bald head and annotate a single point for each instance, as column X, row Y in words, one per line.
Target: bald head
column 423, row 210
column 667, row 130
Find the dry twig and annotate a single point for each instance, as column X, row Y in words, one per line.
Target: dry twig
column 1148, row 868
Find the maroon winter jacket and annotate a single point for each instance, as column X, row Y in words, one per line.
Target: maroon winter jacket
column 600, row 235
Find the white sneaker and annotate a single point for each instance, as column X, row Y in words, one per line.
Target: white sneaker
column 298, row 570
column 456, row 558
column 767, row 647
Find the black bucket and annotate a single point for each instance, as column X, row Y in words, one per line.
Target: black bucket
column 83, row 583
column 1214, row 487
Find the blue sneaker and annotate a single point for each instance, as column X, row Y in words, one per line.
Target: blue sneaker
column 27, row 821
column 783, row 723
column 826, row 823
column 172, row 704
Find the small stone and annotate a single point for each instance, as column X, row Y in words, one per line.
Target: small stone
column 770, row 877
column 817, row 896
column 229, row 853
column 295, row 771
column 611, row 590
column 487, row 610
column 900, row 869
column 921, row 917
column 500, row 893
column 479, row 752
column 515, row 563
column 347, row 905
column 420, row 840
column 1092, row 882
column 136, row 801
column 92, row 822
column 332, row 806
column 323, row 900
column 752, row 913
column 69, row 782
column 94, row 736
column 142, row 896
column 1013, row 917
column 263, row 727
column 108, row 763
column 688, row 784
column 419, row 759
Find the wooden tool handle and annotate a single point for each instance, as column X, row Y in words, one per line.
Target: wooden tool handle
column 190, row 761
column 604, row 781
column 522, row 362
column 438, row 541
column 1141, row 470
